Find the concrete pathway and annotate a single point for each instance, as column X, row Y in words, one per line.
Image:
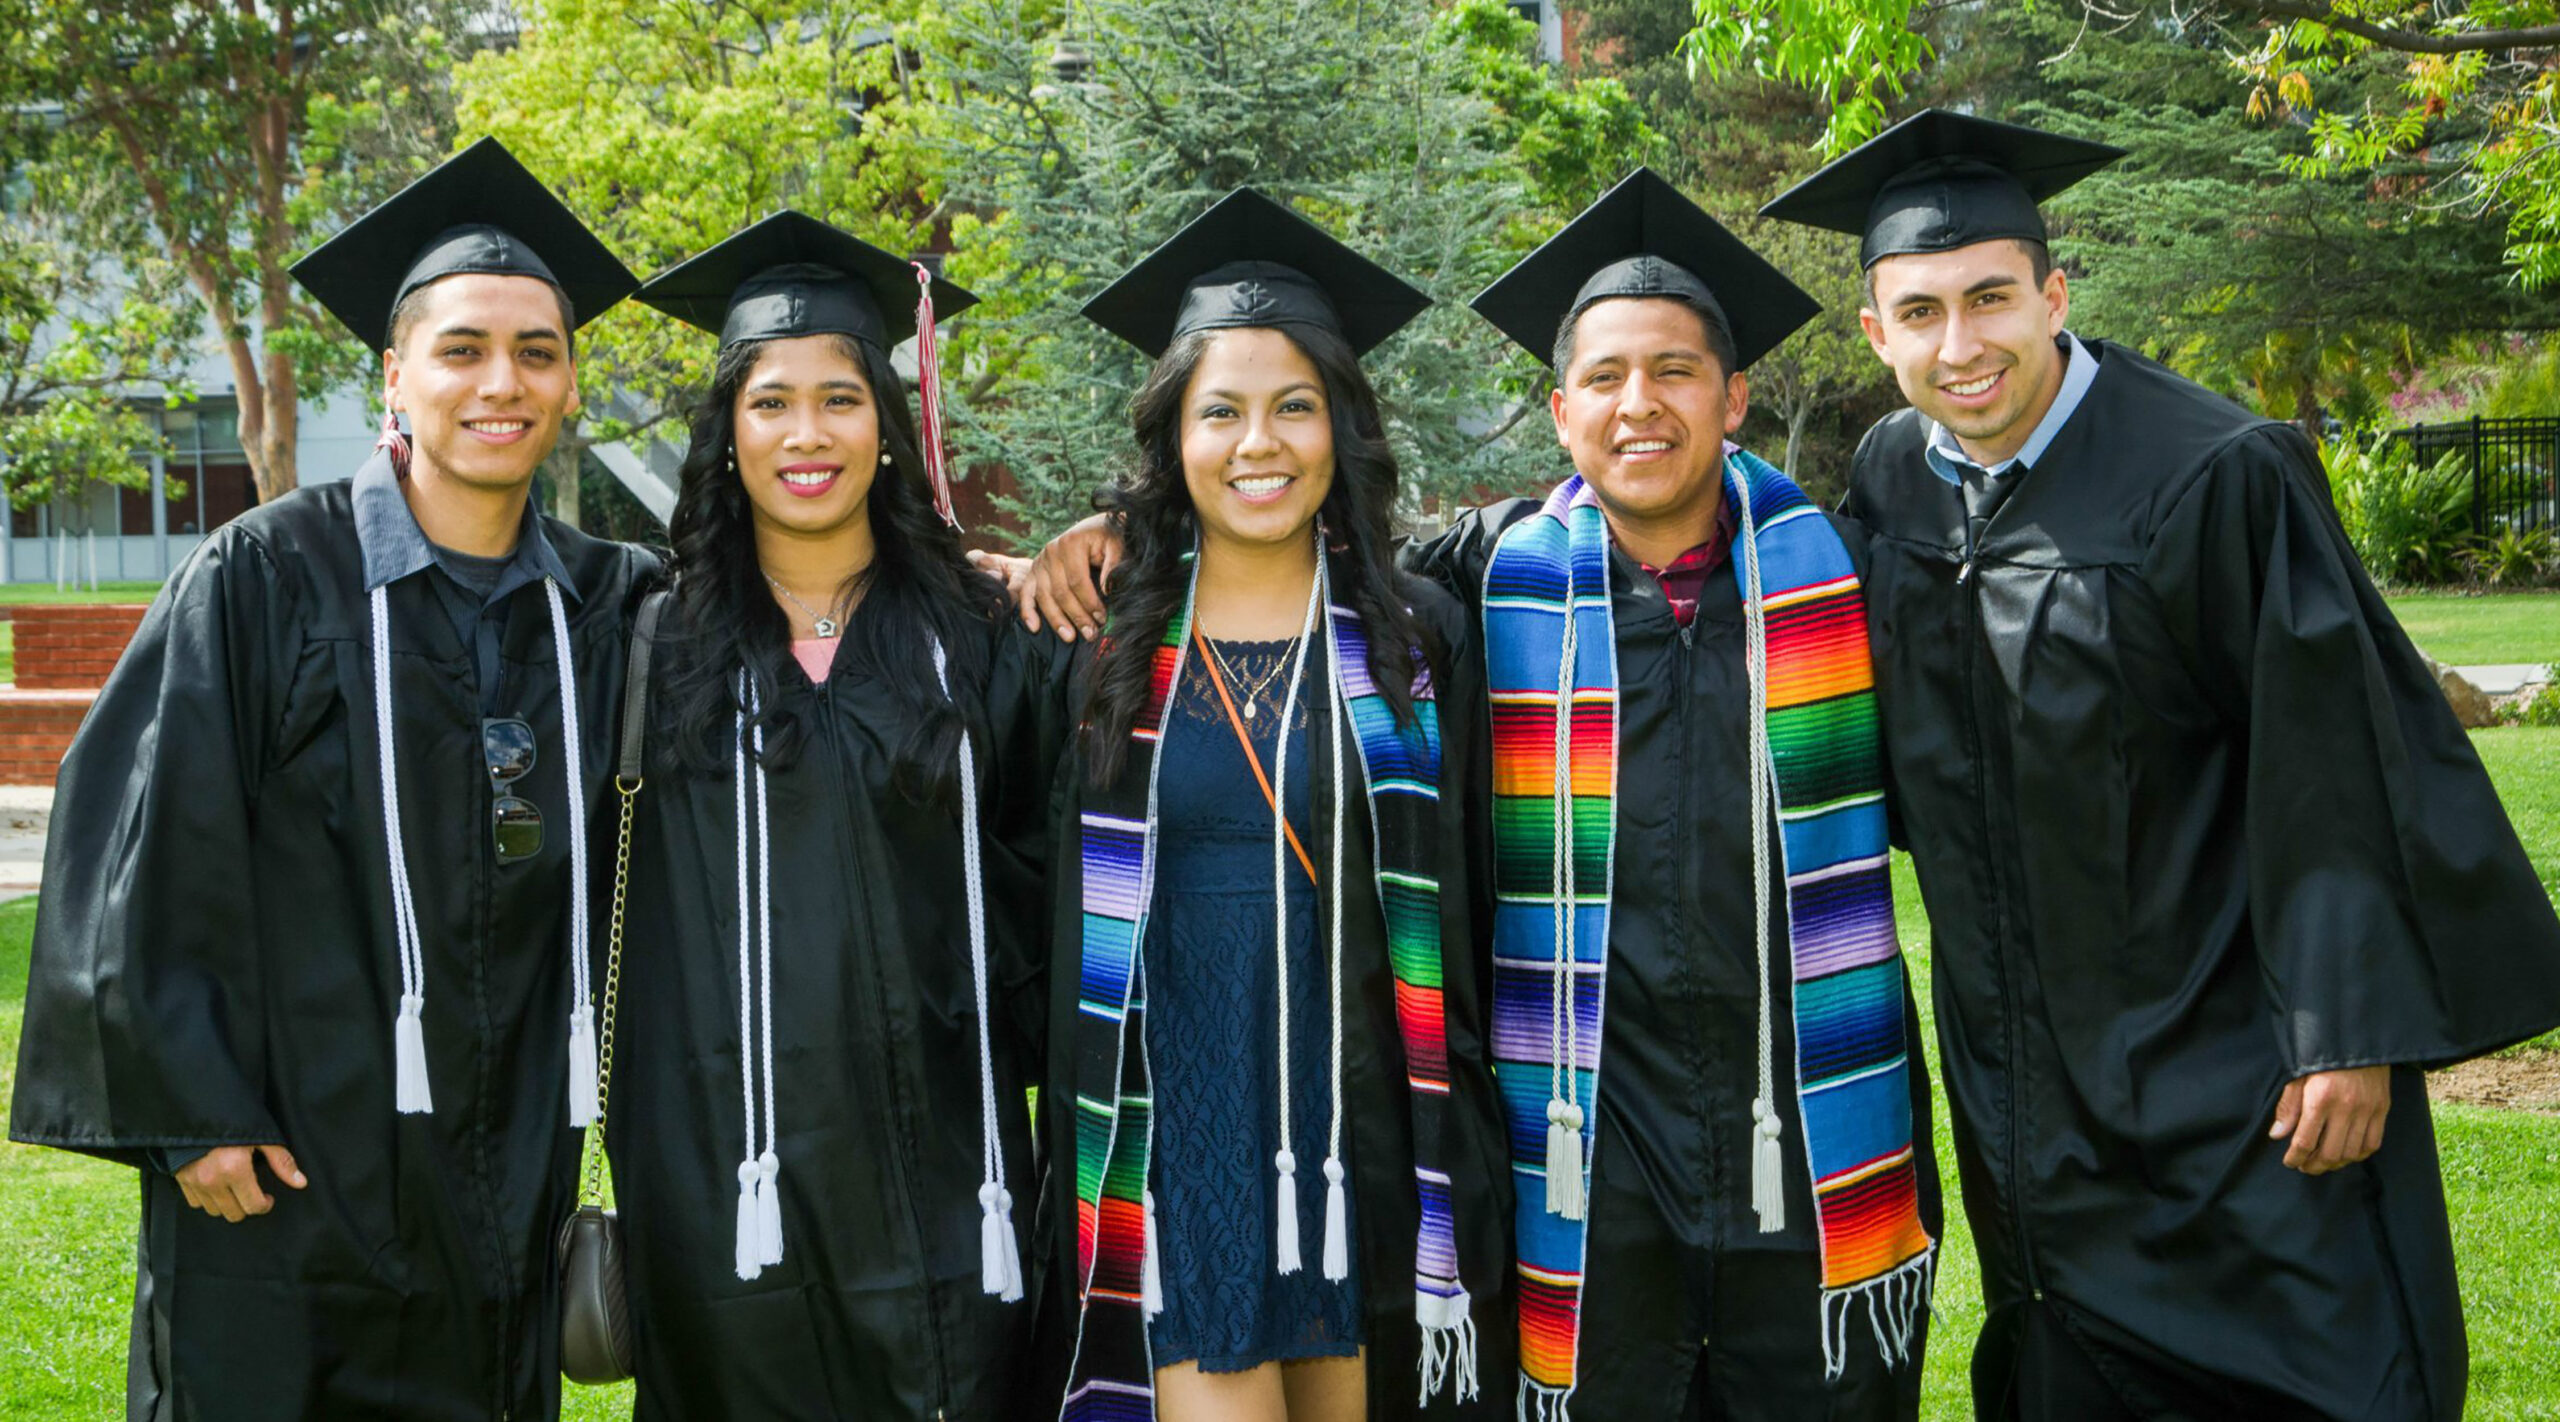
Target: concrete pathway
column 2504, row 678
column 24, row 809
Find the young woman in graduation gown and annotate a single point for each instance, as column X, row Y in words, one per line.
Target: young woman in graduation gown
column 817, row 1095
column 1275, row 1132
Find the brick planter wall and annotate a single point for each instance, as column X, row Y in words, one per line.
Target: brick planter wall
column 72, row 647
column 35, row 730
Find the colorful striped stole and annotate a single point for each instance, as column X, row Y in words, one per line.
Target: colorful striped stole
column 1113, row 1376
column 1551, row 920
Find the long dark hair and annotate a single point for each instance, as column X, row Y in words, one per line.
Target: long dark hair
column 917, row 588
column 1158, row 525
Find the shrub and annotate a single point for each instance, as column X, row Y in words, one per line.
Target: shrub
column 2515, row 558
column 2408, row 524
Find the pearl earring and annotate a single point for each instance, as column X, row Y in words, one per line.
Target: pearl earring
column 884, row 459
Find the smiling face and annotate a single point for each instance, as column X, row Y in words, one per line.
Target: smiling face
column 1257, row 439
column 1644, row 409
column 807, row 434
column 1970, row 336
column 482, row 373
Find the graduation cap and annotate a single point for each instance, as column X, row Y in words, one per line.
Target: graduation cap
column 1938, row 181
column 792, row 275
column 479, row 211
column 1250, row 261
column 1643, row 239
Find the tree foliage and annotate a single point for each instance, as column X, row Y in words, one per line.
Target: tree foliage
column 1076, row 140
column 222, row 138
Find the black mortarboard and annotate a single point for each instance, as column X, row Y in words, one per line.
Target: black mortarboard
column 1643, row 239
column 1250, row 261
column 479, row 211
column 792, row 275
column 1938, row 181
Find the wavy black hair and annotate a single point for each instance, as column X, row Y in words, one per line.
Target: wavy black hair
column 1158, row 525
column 918, row 587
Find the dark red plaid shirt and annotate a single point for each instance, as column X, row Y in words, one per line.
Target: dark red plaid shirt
column 1687, row 576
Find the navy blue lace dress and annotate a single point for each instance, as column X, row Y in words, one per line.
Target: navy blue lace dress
column 1213, row 1026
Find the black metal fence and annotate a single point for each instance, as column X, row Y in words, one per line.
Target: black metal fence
column 2510, row 464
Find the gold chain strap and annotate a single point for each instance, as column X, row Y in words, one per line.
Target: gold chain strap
column 591, row 1192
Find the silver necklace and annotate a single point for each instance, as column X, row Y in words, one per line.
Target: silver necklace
column 823, row 626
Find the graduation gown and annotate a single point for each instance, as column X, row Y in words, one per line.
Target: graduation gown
column 214, row 964
column 875, row 1309
column 1687, row 1308
column 2192, row 821
column 1377, row 1105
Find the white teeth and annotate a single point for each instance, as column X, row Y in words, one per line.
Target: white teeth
column 810, row 479
column 1644, row 446
column 1975, row 387
column 1260, row 485
column 495, row 426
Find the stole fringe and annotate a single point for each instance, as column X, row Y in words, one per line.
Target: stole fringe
column 1448, row 1348
column 1541, row 1403
column 1897, row 1308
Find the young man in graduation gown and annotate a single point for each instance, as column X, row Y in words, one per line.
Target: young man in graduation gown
column 1727, row 1205
column 2211, row 870
column 310, row 951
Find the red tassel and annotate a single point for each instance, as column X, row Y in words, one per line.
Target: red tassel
column 395, row 442
column 937, row 469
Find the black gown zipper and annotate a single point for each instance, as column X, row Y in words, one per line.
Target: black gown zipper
column 900, row 1152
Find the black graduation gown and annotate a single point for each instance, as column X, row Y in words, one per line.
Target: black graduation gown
column 1688, row 1309
column 1377, row 1103
column 214, row 964
column 2192, row 821
column 875, row 1310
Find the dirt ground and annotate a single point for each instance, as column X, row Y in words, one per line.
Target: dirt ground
column 2527, row 1081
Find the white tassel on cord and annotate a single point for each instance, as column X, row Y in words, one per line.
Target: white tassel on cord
column 1768, row 1173
column 1287, row 1239
column 1151, row 1284
column 409, row 1093
column 583, row 1104
column 1337, row 1230
column 768, row 1209
column 999, row 1251
column 748, row 1247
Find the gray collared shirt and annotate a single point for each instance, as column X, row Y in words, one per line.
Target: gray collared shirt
column 2079, row 369
column 394, row 547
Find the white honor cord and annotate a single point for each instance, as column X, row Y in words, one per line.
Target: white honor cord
column 408, row 1036
column 1337, row 1229
column 1000, row 1256
column 1564, row 1108
column 582, row 1012
column 758, row 1239
column 1768, row 1188
column 410, row 1093
column 1286, row 1162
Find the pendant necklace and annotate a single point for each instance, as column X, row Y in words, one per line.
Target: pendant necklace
column 823, row 626
column 1251, row 690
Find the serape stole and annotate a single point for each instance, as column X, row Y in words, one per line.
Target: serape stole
column 1852, row 1064
column 1112, row 1377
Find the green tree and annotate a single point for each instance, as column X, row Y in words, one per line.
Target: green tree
column 238, row 132
column 1076, row 141
column 670, row 124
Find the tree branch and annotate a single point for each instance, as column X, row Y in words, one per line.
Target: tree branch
column 2319, row 12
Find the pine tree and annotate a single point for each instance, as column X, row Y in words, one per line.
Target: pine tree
column 1076, row 147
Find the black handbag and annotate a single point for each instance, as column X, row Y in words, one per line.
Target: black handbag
column 595, row 1305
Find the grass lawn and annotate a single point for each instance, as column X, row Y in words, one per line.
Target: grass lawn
column 66, row 1243
column 2465, row 630
column 21, row 594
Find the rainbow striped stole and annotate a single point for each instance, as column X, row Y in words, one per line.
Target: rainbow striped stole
column 1852, row 1066
column 1112, row 1377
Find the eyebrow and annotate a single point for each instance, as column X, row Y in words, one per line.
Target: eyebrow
column 1606, row 357
column 1283, row 390
column 786, row 387
column 1989, row 283
column 474, row 333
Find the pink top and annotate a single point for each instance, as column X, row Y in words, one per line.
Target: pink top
column 816, row 654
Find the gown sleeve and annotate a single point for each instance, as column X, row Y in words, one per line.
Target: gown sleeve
column 2395, row 915
column 1455, row 557
column 143, row 1038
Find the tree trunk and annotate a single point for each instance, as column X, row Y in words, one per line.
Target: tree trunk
column 560, row 466
column 2307, row 412
column 1798, row 416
